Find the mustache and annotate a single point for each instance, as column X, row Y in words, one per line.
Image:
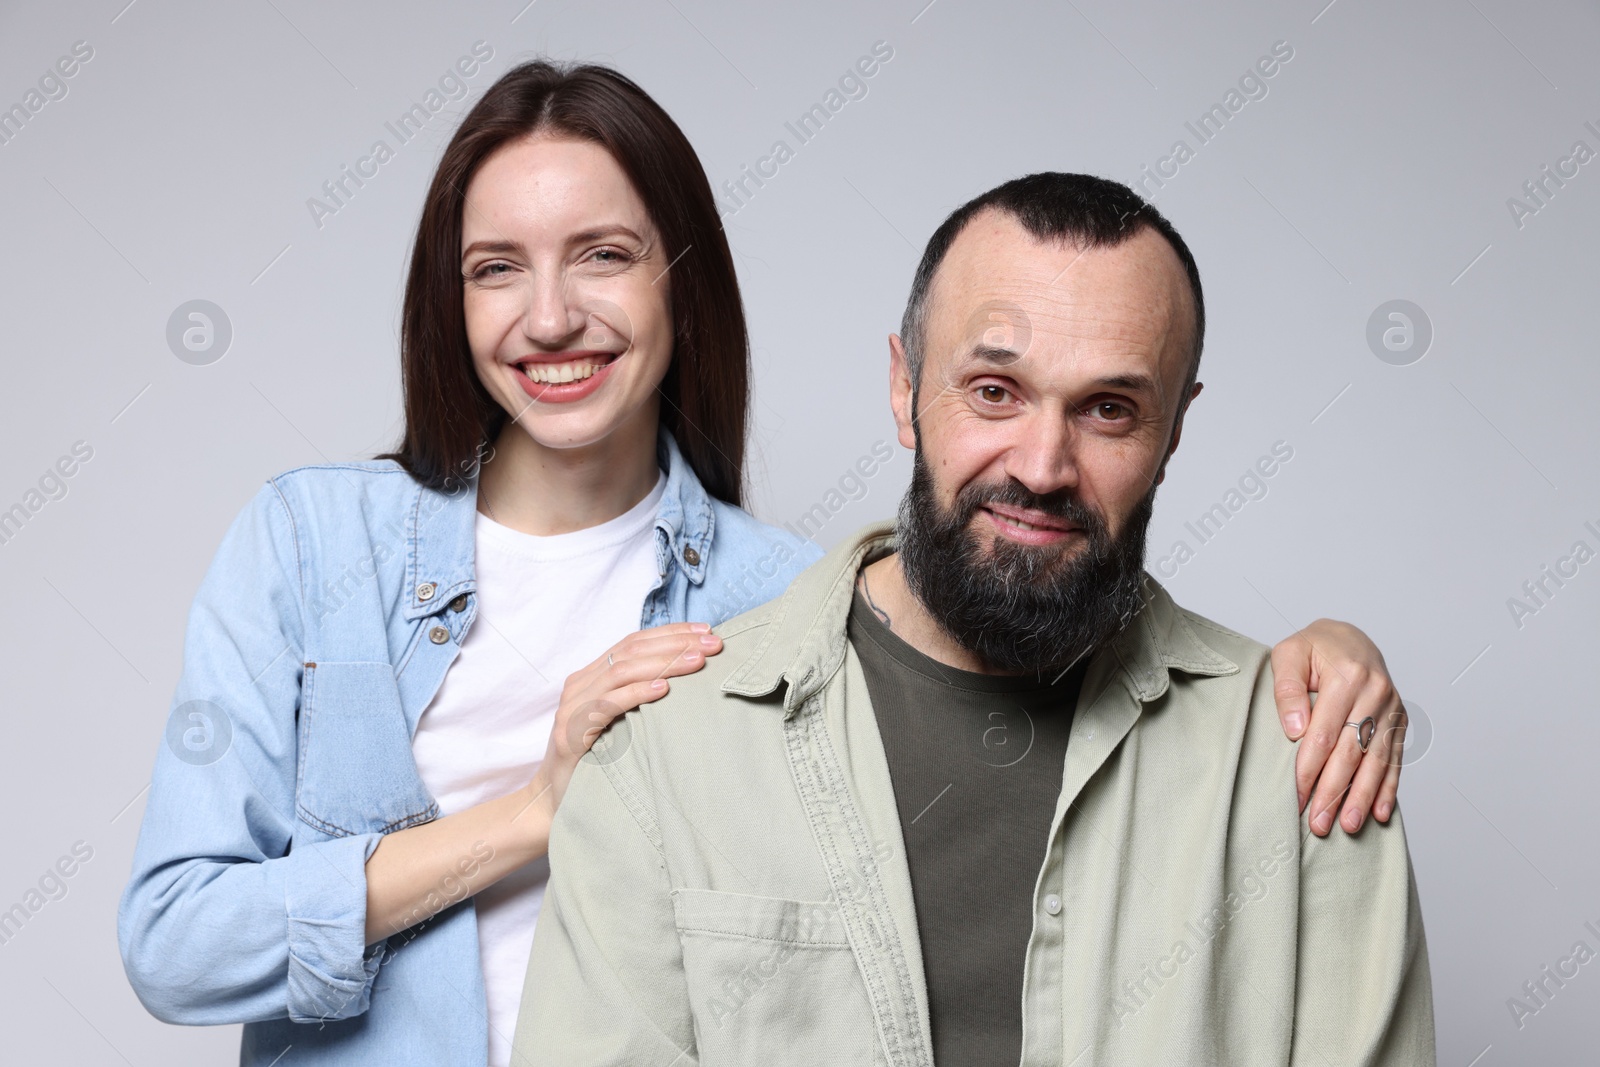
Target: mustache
column 1062, row 504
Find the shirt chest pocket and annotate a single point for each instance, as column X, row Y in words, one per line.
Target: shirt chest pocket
column 356, row 774
column 773, row 982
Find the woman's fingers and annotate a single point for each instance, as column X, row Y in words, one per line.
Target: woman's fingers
column 1291, row 672
column 1376, row 763
column 1334, row 782
column 1391, row 768
column 1329, row 713
column 649, row 655
column 590, row 719
column 634, row 673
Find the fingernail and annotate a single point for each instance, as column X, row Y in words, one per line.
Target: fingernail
column 701, row 626
column 1324, row 822
column 659, row 683
column 1296, row 721
column 1383, row 810
column 709, row 639
column 1354, row 824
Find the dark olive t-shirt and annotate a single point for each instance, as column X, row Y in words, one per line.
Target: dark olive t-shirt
column 976, row 761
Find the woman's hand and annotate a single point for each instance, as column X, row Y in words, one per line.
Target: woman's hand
column 634, row 671
column 1345, row 670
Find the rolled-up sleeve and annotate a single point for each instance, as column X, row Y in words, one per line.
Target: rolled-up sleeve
column 220, row 921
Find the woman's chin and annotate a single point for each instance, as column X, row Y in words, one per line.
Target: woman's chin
column 577, row 428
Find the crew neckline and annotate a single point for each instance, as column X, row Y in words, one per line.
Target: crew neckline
column 575, row 543
column 914, row 659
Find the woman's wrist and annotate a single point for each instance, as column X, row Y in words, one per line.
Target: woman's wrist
column 534, row 812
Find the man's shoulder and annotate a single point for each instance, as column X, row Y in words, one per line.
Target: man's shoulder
column 1244, row 652
column 753, row 561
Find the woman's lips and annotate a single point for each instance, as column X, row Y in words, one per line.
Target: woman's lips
column 573, row 366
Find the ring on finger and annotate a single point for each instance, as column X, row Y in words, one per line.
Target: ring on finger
column 1364, row 731
column 610, row 661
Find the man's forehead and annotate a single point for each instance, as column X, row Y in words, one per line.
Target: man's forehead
column 1001, row 286
column 994, row 257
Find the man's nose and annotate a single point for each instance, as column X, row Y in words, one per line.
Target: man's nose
column 1042, row 456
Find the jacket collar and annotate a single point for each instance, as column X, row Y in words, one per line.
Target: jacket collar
column 441, row 531
column 806, row 641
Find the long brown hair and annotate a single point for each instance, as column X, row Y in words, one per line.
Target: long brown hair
column 449, row 414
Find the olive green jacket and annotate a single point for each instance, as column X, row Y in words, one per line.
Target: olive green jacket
column 729, row 887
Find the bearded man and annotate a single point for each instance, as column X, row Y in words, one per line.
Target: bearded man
column 974, row 790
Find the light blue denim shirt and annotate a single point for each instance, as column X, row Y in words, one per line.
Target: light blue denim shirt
column 335, row 604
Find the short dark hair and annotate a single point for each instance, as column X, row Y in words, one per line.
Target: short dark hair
column 449, row 415
column 1088, row 211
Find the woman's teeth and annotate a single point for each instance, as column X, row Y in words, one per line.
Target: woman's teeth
column 557, row 373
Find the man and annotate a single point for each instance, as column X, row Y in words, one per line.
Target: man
column 974, row 790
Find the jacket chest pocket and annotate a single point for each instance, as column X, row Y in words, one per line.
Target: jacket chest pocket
column 773, row 982
column 356, row 774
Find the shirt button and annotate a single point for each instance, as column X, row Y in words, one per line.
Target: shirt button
column 459, row 603
column 691, row 557
column 1052, row 904
column 426, row 590
column 438, row 635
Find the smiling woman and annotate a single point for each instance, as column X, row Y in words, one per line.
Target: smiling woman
column 546, row 549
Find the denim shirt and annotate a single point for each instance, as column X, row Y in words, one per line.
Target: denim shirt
column 335, row 604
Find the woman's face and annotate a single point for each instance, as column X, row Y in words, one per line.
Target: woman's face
column 565, row 291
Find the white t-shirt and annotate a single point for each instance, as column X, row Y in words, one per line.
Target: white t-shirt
column 546, row 607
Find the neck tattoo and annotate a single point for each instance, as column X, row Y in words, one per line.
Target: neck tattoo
column 883, row 616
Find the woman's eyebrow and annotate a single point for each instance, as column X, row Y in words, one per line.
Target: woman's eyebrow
column 501, row 246
column 498, row 247
column 599, row 232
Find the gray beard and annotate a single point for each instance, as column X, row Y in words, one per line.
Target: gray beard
column 1020, row 608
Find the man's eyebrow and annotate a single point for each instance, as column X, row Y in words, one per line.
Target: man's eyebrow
column 1133, row 383
column 1001, row 356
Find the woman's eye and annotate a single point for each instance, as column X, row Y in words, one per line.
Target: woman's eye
column 491, row 270
column 610, row 256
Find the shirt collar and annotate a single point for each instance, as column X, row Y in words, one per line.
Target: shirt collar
column 441, row 531
column 685, row 515
column 806, row 641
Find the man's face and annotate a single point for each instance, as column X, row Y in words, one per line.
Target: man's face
column 1047, row 407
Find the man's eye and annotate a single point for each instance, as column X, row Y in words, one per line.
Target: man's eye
column 994, row 394
column 1111, row 411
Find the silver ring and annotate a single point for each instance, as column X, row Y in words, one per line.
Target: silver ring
column 1365, row 729
column 609, row 661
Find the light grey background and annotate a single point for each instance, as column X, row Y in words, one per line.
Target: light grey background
column 1379, row 165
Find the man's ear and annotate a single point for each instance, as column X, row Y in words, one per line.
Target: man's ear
column 1177, row 430
column 901, row 392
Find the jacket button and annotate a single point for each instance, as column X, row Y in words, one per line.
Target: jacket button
column 459, row 603
column 1052, row 904
column 438, row 635
column 691, row 557
column 426, row 590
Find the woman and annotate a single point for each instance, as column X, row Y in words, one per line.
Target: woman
column 349, row 758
